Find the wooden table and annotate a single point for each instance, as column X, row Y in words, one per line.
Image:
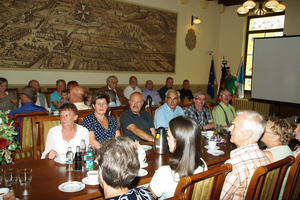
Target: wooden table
column 48, row 175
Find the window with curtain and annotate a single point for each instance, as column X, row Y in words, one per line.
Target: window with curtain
column 257, row 27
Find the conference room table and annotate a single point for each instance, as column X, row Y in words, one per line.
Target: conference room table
column 47, row 175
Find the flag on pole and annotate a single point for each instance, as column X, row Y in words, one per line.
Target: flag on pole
column 240, row 80
column 211, row 81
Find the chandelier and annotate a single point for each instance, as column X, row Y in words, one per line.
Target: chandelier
column 261, row 10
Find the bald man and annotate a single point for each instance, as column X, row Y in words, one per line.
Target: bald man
column 76, row 96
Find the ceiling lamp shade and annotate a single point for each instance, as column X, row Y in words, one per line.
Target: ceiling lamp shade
column 279, row 8
column 264, row 7
column 241, row 10
column 249, row 4
column 272, row 4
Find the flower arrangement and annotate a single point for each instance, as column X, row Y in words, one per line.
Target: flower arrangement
column 8, row 133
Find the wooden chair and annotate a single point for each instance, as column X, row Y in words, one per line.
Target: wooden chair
column 292, row 186
column 110, row 109
column 151, row 111
column 205, row 185
column 117, row 114
column 40, row 128
column 267, row 180
column 26, row 135
column 93, row 90
column 211, row 106
column 83, row 114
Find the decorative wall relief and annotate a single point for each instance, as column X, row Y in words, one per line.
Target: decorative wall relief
column 190, row 39
column 102, row 35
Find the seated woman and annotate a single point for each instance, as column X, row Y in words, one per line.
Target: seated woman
column 67, row 134
column 8, row 100
column 101, row 127
column 118, row 166
column 184, row 139
column 276, row 137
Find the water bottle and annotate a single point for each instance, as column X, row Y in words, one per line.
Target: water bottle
column 83, row 153
column 89, row 159
column 78, row 160
column 69, row 160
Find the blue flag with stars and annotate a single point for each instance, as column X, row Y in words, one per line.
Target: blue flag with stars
column 211, row 81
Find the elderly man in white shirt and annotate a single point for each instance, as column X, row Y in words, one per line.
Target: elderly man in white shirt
column 132, row 87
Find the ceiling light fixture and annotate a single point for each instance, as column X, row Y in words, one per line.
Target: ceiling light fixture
column 261, row 10
column 195, row 20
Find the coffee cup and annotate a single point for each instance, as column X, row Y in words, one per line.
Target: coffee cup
column 3, row 191
column 93, row 176
column 141, row 156
column 209, row 133
column 212, row 144
column 62, row 157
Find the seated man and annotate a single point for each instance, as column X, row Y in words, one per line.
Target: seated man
column 136, row 123
column 153, row 93
column 132, row 87
column 200, row 113
column 118, row 166
column 72, row 84
column 168, row 110
column 185, row 92
column 76, row 96
column 41, row 98
column 246, row 129
column 162, row 91
column 55, row 96
column 112, row 83
column 28, row 98
column 224, row 113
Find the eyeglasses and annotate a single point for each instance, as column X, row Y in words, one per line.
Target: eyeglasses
column 169, row 99
column 271, row 133
column 138, row 102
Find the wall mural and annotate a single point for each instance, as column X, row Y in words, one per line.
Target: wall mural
column 103, row 35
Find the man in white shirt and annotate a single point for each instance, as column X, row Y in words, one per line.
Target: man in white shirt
column 132, row 87
column 76, row 96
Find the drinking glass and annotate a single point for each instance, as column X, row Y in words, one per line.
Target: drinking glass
column 25, row 176
column 11, row 177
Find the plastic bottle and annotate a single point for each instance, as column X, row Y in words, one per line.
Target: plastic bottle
column 78, row 160
column 83, row 153
column 69, row 160
column 89, row 159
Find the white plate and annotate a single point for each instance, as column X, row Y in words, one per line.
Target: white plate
column 215, row 152
column 72, row 186
column 56, row 159
column 207, row 147
column 146, row 147
column 142, row 172
column 144, row 165
column 87, row 181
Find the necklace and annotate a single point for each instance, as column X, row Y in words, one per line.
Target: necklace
column 101, row 121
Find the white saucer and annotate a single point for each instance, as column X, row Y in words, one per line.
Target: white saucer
column 87, row 181
column 146, row 147
column 72, row 186
column 144, row 165
column 142, row 172
column 207, row 147
column 56, row 159
column 215, row 152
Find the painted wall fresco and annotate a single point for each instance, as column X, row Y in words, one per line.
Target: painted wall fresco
column 102, row 35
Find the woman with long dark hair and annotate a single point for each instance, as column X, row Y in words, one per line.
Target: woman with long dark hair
column 184, row 139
